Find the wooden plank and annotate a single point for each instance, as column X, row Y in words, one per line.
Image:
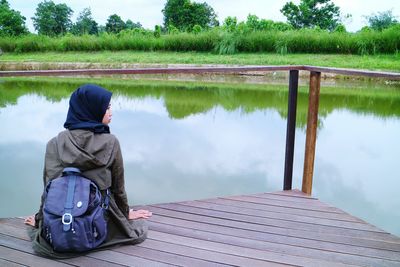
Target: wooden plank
column 311, row 133
column 258, row 234
column 239, row 231
column 279, row 216
column 16, row 243
column 169, row 258
column 17, row 221
column 14, row 231
column 361, row 247
column 179, row 249
column 242, row 251
column 103, row 258
column 89, row 261
column 289, row 198
column 295, row 193
column 186, row 212
column 289, row 204
column 93, row 257
column 391, row 259
column 272, row 221
column 29, row 248
column 9, row 263
column 124, row 259
column 249, row 225
column 26, row 246
column 264, row 207
column 28, row 259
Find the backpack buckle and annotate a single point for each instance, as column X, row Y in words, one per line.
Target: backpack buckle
column 63, row 218
column 66, row 220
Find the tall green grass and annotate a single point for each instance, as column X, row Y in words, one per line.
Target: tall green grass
column 217, row 40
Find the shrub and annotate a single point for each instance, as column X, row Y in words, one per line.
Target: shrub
column 227, row 45
column 220, row 40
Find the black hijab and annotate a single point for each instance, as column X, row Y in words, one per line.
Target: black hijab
column 87, row 107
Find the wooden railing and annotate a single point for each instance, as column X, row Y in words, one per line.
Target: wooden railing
column 312, row 117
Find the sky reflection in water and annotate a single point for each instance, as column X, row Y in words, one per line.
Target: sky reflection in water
column 211, row 154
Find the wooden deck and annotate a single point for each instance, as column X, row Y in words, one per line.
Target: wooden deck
column 270, row 229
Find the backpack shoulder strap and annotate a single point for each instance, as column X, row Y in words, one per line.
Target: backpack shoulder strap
column 69, row 202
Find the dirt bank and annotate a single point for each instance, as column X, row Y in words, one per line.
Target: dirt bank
column 244, row 77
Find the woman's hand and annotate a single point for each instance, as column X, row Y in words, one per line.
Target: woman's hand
column 139, row 214
column 30, row 220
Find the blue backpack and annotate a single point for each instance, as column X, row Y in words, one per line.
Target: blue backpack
column 73, row 213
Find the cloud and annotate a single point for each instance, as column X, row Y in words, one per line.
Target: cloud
column 32, row 119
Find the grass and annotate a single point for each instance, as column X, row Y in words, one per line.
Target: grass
column 217, row 40
column 389, row 62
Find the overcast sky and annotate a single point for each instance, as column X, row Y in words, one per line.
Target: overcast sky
column 148, row 12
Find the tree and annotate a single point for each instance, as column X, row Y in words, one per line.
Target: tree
column 312, row 13
column 382, row 20
column 157, row 31
column 253, row 22
column 197, row 29
column 12, row 23
column 230, row 24
column 203, row 15
column 85, row 24
column 184, row 15
column 176, row 13
column 340, row 28
column 115, row 24
column 51, row 19
column 102, row 29
column 130, row 25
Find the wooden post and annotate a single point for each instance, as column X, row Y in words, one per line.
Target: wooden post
column 290, row 129
column 311, row 136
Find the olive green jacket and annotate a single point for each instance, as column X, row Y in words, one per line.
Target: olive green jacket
column 99, row 158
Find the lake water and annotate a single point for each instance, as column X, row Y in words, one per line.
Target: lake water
column 194, row 140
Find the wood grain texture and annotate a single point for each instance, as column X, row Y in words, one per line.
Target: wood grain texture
column 387, row 259
column 268, row 229
column 311, row 133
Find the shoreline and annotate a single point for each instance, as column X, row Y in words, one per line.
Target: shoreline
column 253, row 77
